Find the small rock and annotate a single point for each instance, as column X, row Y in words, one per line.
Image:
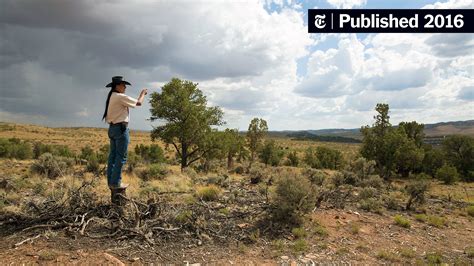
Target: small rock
column 135, row 259
column 285, row 257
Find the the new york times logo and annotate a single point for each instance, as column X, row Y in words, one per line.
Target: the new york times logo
column 319, row 21
column 390, row 20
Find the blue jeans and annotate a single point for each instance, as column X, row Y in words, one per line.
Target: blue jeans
column 119, row 136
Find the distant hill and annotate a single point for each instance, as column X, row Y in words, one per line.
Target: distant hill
column 353, row 135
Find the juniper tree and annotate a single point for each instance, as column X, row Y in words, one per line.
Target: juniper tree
column 188, row 119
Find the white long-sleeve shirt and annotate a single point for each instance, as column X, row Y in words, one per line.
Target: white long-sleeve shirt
column 118, row 107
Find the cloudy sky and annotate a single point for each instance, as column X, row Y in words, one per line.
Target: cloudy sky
column 252, row 58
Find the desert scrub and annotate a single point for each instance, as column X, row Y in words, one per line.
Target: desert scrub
column 470, row 252
column 371, row 205
column 407, row 253
column 52, row 167
column 319, row 229
column 374, row 181
column 208, row 193
column 401, row 221
column 184, row 216
column 367, row 192
column 391, row 202
column 470, row 210
column 298, row 232
column 448, row 174
column 315, row 176
column 257, row 174
column 293, row 197
column 300, row 246
column 15, row 148
column 434, row 258
column 153, row 171
column 362, row 168
column 354, row 227
column 388, row 256
column 436, row 221
column 416, row 190
column 431, row 220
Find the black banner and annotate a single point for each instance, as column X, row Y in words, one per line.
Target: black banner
column 390, row 20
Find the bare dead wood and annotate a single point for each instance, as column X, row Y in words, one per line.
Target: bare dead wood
column 30, row 239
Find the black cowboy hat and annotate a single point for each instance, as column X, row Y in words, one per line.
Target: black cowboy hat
column 117, row 80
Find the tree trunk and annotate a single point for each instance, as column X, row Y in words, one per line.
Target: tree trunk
column 230, row 161
column 184, row 156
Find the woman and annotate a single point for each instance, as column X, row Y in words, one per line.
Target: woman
column 117, row 115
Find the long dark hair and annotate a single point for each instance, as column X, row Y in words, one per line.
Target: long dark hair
column 114, row 86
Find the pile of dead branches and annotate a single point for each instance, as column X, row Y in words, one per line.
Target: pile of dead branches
column 80, row 213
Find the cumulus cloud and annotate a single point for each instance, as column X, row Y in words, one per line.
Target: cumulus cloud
column 252, row 58
column 347, row 3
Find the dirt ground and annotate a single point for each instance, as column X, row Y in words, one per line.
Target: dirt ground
column 377, row 240
column 347, row 235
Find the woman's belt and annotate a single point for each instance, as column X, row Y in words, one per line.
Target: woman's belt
column 119, row 123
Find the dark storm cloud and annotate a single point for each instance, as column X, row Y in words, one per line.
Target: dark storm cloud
column 57, row 55
column 59, row 14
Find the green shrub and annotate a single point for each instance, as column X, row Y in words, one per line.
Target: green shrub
column 329, row 158
column 391, row 202
column 362, row 168
column 402, row 221
column 219, row 180
column 257, row 175
column 407, row 253
column 293, row 159
column 374, row 181
column 151, row 154
column 367, row 192
column 434, row 258
column 470, row 210
column 102, row 155
column 315, row 176
column 421, row 217
column 300, row 246
column 459, row 152
column 323, row 157
column 208, row 193
column 436, row 221
column 51, row 166
column 350, row 178
column 337, row 179
column 388, row 256
column 319, row 229
column 448, row 174
column 239, row 170
column 299, row 232
column 56, row 150
column 270, row 153
column 132, row 162
column 184, row 216
column 153, row 171
column 293, row 197
column 86, row 152
column 93, row 165
column 371, row 205
column 470, row 252
column 15, row 148
column 416, row 192
column 311, row 159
